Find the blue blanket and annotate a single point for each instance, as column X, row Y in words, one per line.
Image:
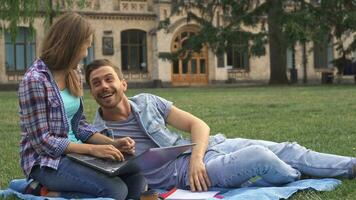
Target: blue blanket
column 276, row 193
column 17, row 186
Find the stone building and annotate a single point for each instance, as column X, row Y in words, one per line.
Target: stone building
column 126, row 33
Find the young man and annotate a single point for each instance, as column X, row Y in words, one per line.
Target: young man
column 215, row 160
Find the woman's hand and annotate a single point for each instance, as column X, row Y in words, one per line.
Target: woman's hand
column 107, row 152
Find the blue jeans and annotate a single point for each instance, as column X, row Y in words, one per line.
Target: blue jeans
column 238, row 160
column 73, row 180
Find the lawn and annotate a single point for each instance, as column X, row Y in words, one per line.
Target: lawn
column 322, row 118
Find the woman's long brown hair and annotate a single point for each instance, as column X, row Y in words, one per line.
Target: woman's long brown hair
column 62, row 46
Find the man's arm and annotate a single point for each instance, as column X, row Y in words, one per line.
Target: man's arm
column 199, row 130
column 125, row 144
column 98, row 138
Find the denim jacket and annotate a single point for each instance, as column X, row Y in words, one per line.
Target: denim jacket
column 152, row 123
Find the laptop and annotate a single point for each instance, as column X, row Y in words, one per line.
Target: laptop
column 149, row 159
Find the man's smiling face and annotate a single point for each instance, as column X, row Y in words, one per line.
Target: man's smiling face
column 106, row 87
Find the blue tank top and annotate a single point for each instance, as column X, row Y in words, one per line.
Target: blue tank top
column 71, row 106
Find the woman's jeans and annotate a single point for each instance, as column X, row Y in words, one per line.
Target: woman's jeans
column 239, row 160
column 73, row 180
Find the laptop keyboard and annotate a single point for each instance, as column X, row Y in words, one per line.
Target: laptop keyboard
column 106, row 163
column 112, row 164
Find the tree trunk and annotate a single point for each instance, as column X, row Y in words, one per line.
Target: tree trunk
column 305, row 61
column 52, row 14
column 277, row 47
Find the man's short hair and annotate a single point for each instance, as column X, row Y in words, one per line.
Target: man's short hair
column 96, row 64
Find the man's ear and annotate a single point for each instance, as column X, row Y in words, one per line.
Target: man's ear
column 124, row 84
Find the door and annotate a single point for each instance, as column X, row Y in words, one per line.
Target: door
column 193, row 71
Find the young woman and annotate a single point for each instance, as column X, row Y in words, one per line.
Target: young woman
column 51, row 117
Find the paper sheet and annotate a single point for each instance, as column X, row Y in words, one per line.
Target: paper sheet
column 188, row 195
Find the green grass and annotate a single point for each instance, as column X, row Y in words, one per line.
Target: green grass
column 318, row 117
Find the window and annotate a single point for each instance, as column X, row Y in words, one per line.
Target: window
column 116, row 5
column 165, row 14
column 323, row 55
column 290, row 58
column 218, row 19
column 221, row 61
column 353, row 56
column 237, row 58
column 21, row 53
column 133, row 50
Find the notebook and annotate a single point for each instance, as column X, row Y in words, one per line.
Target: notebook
column 149, row 159
column 178, row 194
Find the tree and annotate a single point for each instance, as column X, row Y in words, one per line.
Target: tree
column 235, row 15
column 13, row 12
column 277, row 45
column 281, row 23
column 337, row 21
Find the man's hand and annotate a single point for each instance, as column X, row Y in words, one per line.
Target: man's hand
column 198, row 177
column 126, row 145
column 106, row 151
column 199, row 130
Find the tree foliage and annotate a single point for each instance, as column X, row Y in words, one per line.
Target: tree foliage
column 279, row 23
column 15, row 12
column 337, row 20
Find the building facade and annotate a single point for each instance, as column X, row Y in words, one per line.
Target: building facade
column 126, row 32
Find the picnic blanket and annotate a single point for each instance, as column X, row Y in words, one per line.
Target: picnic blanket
column 17, row 186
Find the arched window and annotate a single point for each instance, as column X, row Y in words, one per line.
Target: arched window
column 21, row 53
column 133, row 50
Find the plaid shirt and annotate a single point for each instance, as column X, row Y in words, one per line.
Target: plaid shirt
column 44, row 125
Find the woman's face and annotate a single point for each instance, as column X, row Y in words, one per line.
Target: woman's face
column 84, row 49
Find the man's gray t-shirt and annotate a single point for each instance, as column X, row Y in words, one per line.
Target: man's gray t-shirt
column 130, row 128
column 165, row 176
